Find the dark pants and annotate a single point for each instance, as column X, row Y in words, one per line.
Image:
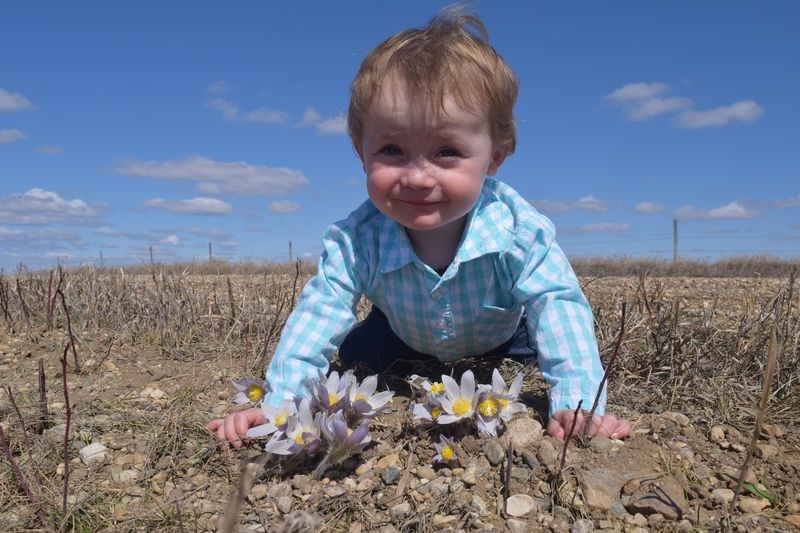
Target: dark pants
column 374, row 345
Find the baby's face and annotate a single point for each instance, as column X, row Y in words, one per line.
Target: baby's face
column 425, row 171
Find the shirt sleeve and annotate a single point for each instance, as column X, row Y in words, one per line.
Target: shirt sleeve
column 324, row 315
column 559, row 319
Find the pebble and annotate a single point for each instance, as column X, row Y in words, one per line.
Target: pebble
column 520, row 505
column 469, row 477
column 793, row 519
column 601, row 444
column 302, row 483
column 765, row 451
column 494, row 452
column 582, row 526
column 284, row 504
column 390, row 475
column 426, row 472
column 259, row 492
column 400, row 510
column 477, row 505
column 392, row 459
column 523, row 432
column 279, row 489
column 334, row 491
column 716, row 434
column 444, row 520
column 547, row 454
column 93, row 454
column 752, row 505
column 679, row 418
column 529, row 458
column 722, row 495
column 516, row 526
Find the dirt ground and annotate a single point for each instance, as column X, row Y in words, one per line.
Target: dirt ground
column 688, row 377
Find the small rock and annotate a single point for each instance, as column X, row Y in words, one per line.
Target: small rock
column 392, row 459
column 123, row 477
column 716, row 434
column 516, row 526
column 390, row 475
column 259, row 492
column 631, row 486
column 494, row 452
column 302, row 483
column 93, row 454
column 793, row 508
column 279, row 489
column 400, row 510
column 595, row 493
column 722, row 495
column 793, row 519
column 334, row 491
column 752, row 505
column 477, row 505
column 601, row 444
column 284, row 504
column 519, row 505
column 617, row 509
column 547, row 454
column 679, row 418
column 470, row 477
column 665, row 498
column 523, row 432
column 582, row 526
column 529, row 458
column 765, row 451
column 426, row 472
column 444, row 520
column 773, row 430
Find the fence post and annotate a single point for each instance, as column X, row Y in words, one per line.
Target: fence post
column 674, row 240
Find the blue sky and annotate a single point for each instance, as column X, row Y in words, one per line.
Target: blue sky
column 125, row 126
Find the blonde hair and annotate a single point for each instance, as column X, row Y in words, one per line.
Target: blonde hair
column 450, row 56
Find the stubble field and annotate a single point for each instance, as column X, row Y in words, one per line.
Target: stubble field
column 150, row 359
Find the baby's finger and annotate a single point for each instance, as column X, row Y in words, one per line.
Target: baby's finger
column 241, row 424
column 213, row 425
column 230, row 432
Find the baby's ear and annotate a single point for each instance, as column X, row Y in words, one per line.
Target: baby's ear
column 498, row 156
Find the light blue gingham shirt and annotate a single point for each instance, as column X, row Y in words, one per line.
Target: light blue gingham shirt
column 507, row 261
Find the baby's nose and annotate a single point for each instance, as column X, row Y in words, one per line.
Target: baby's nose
column 418, row 175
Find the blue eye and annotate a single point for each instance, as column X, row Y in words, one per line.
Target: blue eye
column 448, row 152
column 390, row 150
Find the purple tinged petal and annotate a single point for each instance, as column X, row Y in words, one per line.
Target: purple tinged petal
column 261, row 431
column 369, row 385
column 451, row 387
column 420, row 412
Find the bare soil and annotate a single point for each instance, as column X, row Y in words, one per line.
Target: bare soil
column 688, row 376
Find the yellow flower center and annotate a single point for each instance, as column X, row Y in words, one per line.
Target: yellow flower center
column 448, row 453
column 360, row 397
column 437, row 387
column 332, row 398
column 299, row 438
column 254, row 393
column 503, row 402
column 461, row 406
column 488, row 407
column 436, row 411
column 280, row 419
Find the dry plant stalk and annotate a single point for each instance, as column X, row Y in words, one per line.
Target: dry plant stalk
column 65, row 450
column 44, row 415
column 587, row 423
column 23, row 481
column 69, row 330
column 25, row 439
column 25, row 310
column 762, row 409
column 567, row 438
column 246, row 478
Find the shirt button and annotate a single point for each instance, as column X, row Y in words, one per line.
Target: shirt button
column 436, row 294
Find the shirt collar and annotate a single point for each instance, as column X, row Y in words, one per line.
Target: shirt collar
column 489, row 229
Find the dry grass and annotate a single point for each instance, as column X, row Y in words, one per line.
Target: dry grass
column 699, row 345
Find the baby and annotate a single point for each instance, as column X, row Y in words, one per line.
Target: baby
column 455, row 263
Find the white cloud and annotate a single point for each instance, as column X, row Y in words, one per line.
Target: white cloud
column 743, row 111
column 633, row 92
column 10, row 136
column 283, row 206
column 788, row 202
column 39, row 207
column 107, row 232
column 648, row 208
column 172, row 240
column 50, row 149
column 218, row 87
column 732, row 210
column 229, row 245
column 192, row 206
column 231, row 112
column 332, row 125
column 14, row 101
column 217, row 177
column 204, row 232
column 641, row 101
column 587, row 203
column 16, row 236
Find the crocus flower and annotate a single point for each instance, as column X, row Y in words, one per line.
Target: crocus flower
column 328, row 392
column 445, row 450
column 342, row 441
column 364, row 400
column 459, row 402
column 428, row 410
column 277, row 418
column 250, row 390
column 302, row 433
column 507, row 397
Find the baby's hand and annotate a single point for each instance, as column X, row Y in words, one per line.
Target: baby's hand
column 233, row 427
column 606, row 425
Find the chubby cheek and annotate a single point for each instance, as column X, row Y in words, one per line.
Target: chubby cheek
column 379, row 186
